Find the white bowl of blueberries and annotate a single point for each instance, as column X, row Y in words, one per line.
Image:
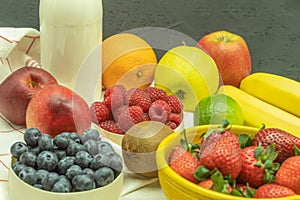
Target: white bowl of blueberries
column 68, row 166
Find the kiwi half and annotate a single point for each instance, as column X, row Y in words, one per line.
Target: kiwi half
column 139, row 146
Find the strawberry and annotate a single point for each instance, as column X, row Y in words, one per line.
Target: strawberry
column 137, row 97
column 159, row 111
column 213, row 135
column 184, row 159
column 130, row 116
column 184, row 163
column 223, row 154
column 289, row 174
column 284, row 142
column 243, row 190
column 216, row 181
column 174, row 103
column 207, row 184
column 111, row 126
column 273, row 191
column 156, row 93
column 258, row 166
column 99, row 112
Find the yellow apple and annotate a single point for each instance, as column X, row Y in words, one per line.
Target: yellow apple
column 189, row 73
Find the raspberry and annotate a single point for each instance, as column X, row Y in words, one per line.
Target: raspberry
column 113, row 89
column 176, row 118
column 175, row 104
column 171, row 124
column 137, row 97
column 130, row 116
column 114, row 97
column 159, row 111
column 116, row 113
column 111, row 126
column 156, row 93
column 99, row 112
column 146, row 117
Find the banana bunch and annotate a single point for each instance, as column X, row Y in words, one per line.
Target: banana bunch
column 268, row 99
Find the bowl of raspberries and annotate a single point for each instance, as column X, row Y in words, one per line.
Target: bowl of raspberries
column 68, row 166
column 120, row 109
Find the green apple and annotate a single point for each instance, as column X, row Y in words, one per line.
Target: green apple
column 189, row 73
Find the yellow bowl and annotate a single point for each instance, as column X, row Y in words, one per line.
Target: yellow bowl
column 19, row 190
column 176, row 187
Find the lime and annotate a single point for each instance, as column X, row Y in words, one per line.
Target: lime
column 216, row 108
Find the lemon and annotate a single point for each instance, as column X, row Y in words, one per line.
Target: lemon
column 216, row 108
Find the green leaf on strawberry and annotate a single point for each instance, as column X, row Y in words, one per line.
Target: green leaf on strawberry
column 245, row 140
column 265, row 160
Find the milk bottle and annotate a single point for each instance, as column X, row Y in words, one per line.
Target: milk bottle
column 69, row 31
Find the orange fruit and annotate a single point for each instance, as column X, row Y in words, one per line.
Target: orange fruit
column 127, row 60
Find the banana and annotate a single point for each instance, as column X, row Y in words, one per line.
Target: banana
column 277, row 90
column 257, row 112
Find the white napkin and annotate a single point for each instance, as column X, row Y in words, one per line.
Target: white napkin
column 19, row 47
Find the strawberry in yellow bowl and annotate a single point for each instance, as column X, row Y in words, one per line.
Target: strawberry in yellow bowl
column 229, row 162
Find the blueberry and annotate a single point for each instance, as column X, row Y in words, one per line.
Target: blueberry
column 38, row 186
column 31, row 136
column 18, row 148
column 90, row 134
column 17, row 167
column 36, row 150
column 50, row 180
column 74, row 147
column 61, row 141
column 45, row 142
column 41, row 174
column 92, row 146
column 82, row 183
column 65, row 134
column 100, row 160
column 28, row 158
column 104, row 176
column 60, row 154
column 64, row 164
column 47, row 160
column 28, row 175
column 75, row 137
column 83, row 159
column 63, row 185
column 105, row 148
column 116, row 163
column 89, row 172
column 73, row 171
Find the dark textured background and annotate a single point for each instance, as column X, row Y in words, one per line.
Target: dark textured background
column 270, row 28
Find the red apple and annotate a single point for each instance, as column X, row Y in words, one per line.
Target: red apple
column 17, row 90
column 56, row 109
column 230, row 53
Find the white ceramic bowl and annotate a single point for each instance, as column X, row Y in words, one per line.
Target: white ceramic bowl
column 19, row 190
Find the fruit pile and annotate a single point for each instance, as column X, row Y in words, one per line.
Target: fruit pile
column 265, row 166
column 121, row 108
column 66, row 163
